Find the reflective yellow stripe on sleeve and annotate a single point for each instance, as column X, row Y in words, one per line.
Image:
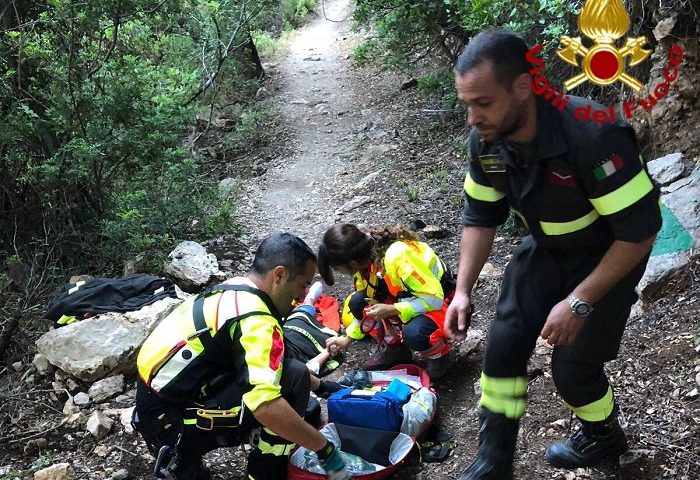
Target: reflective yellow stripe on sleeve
column 562, row 228
column 481, row 192
column 624, row 196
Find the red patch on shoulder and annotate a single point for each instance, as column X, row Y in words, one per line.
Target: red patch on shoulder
column 561, row 179
column 277, row 350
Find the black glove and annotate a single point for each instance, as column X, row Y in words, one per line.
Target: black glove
column 332, row 462
column 326, row 388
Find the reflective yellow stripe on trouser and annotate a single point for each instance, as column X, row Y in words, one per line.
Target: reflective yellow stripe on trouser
column 279, row 449
column 596, row 411
column 506, row 396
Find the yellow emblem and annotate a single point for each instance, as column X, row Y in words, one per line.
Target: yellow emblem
column 603, row 21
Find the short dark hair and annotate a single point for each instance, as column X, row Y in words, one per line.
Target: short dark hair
column 506, row 50
column 282, row 249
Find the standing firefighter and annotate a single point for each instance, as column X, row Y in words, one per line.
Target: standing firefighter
column 213, row 373
column 592, row 212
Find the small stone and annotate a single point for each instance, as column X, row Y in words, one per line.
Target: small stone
column 434, row 231
column 490, row 271
column 17, row 366
column 101, row 450
column 99, row 425
column 125, row 419
column 676, row 394
column 635, row 455
column 562, row 423
column 69, row 407
column 76, row 419
column 693, row 393
column 60, row 471
column 81, row 399
column 411, row 82
column 122, row 474
column 42, row 365
column 697, row 379
column 106, row 388
column 35, row 445
column 72, row 386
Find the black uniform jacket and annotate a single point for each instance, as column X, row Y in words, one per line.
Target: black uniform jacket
column 579, row 185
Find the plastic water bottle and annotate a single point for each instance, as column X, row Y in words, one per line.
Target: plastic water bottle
column 356, row 464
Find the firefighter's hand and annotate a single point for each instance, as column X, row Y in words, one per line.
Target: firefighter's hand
column 336, row 344
column 562, row 325
column 380, row 311
column 332, row 462
column 458, row 316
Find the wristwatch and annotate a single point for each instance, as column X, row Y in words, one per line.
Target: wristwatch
column 579, row 307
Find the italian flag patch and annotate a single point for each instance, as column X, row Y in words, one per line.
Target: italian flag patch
column 611, row 165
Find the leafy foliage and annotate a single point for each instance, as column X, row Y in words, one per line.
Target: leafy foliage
column 97, row 98
column 410, row 30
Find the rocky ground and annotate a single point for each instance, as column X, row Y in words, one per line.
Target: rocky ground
column 352, row 146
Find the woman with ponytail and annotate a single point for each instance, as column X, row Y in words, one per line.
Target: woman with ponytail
column 402, row 293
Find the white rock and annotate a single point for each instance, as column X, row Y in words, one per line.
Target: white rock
column 101, row 450
column 60, row 471
column 489, row 271
column 354, row 203
column 17, row 366
column 125, row 419
column 121, row 474
column 697, row 379
column 103, row 345
column 664, row 27
column 667, row 169
column 660, row 269
column 99, row 425
column 42, row 364
column 192, row 266
column 434, row 231
column 69, row 407
column 106, row 388
column 77, row 419
column 81, row 399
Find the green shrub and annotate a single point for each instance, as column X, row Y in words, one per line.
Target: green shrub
column 366, row 51
column 264, row 42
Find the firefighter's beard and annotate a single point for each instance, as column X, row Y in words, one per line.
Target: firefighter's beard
column 514, row 121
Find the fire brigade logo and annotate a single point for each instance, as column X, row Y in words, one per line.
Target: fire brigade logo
column 603, row 21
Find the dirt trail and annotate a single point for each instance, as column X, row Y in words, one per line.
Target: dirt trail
column 300, row 193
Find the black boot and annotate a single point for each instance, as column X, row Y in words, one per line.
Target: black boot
column 591, row 443
column 497, row 438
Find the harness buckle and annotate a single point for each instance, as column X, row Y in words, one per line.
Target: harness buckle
column 210, row 419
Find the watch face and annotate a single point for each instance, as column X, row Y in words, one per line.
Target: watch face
column 582, row 309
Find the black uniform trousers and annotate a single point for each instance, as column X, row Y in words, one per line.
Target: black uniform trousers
column 535, row 280
column 160, row 422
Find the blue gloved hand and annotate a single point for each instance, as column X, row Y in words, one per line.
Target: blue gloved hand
column 332, row 462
